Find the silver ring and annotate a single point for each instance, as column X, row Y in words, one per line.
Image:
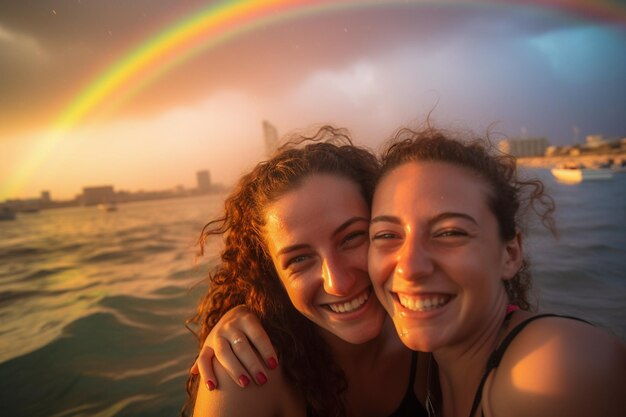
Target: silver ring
column 238, row 340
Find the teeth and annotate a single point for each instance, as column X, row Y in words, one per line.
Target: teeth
column 349, row 306
column 422, row 304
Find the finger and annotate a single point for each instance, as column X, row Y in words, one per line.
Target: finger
column 194, row 369
column 249, row 358
column 261, row 342
column 230, row 362
column 204, row 366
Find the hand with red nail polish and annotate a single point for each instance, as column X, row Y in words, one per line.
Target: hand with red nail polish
column 239, row 342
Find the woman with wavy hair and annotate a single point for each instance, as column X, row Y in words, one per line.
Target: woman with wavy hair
column 295, row 233
column 447, row 262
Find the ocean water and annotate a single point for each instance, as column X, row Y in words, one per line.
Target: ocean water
column 92, row 304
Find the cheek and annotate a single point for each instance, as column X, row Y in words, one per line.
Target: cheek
column 301, row 292
column 379, row 268
column 359, row 258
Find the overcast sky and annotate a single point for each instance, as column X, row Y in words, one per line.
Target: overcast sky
column 531, row 67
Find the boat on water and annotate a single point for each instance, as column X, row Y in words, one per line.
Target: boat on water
column 575, row 173
column 620, row 168
column 6, row 214
column 107, row 207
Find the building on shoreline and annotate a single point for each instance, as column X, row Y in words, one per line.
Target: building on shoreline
column 524, row 147
column 93, row 196
column 203, row 178
column 270, row 135
column 106, row 194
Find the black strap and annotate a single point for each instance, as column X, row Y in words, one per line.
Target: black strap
column 410, row 406
column 496, row 356
column 410, row 389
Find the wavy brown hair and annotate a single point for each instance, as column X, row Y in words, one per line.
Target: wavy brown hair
column 246, row 274
column 510, row 198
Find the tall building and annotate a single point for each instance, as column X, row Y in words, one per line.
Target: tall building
column 98, row 195
column 45, row 196
column 524, row 147
column 204, row 180
column 271, row 137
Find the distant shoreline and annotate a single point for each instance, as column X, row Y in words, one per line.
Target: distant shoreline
column 588, row 160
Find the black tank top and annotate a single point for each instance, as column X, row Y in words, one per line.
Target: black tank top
column 410, row 405
column 496, row 355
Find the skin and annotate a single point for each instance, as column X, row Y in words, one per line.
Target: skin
column 323, row 266
column 433, row 237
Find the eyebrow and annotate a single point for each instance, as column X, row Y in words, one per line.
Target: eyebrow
column 386, row 218
column 291, row 248
column 340, row 229
column 452, row 214
column 437, row 218
column 349, row 223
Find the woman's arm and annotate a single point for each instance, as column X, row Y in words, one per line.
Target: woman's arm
column 559, row 367
column 238, row 341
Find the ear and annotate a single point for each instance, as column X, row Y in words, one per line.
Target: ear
column 513, row 257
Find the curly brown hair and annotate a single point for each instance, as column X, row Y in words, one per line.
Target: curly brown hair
column 510, row 196
column 246, row 274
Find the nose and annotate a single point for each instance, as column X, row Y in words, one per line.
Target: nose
column 414, row 260
column 337, row 279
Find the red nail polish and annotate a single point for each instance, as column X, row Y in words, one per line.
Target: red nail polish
column 210, row 385
column 271, row 362
column 244, row 381
column 261, row 378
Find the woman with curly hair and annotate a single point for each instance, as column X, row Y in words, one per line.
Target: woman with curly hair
column 446, row 261
column 295, row 232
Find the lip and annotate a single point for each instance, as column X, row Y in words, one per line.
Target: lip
column 422, row 313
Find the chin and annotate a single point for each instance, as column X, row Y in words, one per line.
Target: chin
column 414, row 339
column 363, row 334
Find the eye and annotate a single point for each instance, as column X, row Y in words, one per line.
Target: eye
column 296, row 260
column 450, row 233
column 354, row 239
column 385, row 236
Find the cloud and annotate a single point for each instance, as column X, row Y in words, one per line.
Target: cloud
column 354, row 84
column 18, row 44
column 583, row 54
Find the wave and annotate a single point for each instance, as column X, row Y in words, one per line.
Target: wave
column 100, row 366
column 17, row 253
column 108, row 256
column 44, row 273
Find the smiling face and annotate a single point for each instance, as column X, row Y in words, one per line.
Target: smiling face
column 436, row 259
column 317, row 236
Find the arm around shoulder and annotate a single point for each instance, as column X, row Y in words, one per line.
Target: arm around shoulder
column 275, row 398
column 560, row 367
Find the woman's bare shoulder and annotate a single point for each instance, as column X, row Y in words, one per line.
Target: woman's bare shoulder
column 275, row 398
column 560, row 366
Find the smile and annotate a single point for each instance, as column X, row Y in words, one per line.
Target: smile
column 350, row 305
column 423, row 303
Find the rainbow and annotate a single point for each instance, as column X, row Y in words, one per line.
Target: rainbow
column 218, row 23
column 214, row 25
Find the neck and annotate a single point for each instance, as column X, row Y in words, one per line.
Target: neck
column 349, row 355
column 462, row 366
